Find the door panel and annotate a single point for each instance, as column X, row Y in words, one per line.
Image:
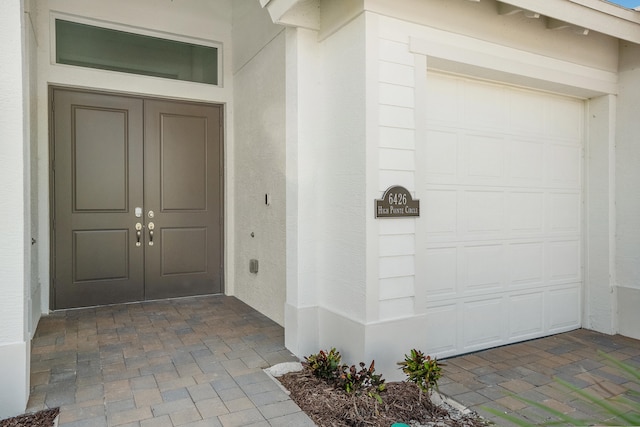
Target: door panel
column 97, row 159
column 113, row 154
column 100, row 160
column 183, row 189
column 183, row 163
column 110, row 247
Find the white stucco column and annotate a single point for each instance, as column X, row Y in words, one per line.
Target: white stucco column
column 14, row 346
column 627, row 200
column 600, row 298
column 301, row 308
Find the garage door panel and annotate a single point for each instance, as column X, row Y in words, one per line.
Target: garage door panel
column 525, row 262
column 526, row 315
column 564, row 212
column 526, row 212
column 484, row 105
column 563, row 309
column 483, row 268
column 442, row 156
column 500, row 252
column 563, row 166
column 484, row 212
column 526, row 112
column 485, row 160
column 525, row 165
column 483, row 323
column 442, row 324
column 441, row 212
column 563, row 118
column 442, row 99
column 441, row 269
column 563, row 259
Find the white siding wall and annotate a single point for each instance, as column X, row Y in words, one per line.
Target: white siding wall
column 397, row 166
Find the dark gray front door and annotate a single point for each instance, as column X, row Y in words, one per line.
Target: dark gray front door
column 137, row 199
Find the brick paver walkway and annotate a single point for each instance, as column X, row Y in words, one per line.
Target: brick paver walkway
column 187, row 362
column 198, row 362
column 492, row 378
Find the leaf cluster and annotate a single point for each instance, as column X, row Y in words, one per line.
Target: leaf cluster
column 421, row 369
column 324, row 364
column 327, row 365
column 353, row 380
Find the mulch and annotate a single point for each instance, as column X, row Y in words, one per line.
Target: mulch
column 402, row 402
column 43, row 418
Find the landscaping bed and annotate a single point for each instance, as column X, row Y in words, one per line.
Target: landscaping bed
column 330, row 406
column 43, row 418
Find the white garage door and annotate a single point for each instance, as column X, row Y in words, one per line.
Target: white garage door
column 503, row 202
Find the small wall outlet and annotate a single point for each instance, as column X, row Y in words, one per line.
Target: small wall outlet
column 253, row 266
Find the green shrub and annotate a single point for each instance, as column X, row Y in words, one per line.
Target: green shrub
column 324, row 364
column 355, row 381
column 421, row 369
column 327, row 365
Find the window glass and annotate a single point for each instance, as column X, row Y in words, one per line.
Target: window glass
column 95, row 47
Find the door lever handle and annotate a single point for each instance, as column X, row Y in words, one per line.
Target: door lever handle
column 138, row 234
column 150, row 226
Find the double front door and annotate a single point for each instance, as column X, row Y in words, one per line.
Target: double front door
column 137, row 190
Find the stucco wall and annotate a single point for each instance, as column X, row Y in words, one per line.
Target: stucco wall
column 627, row 201
column 31, row 86
column 304, row 116
column 14, row 222
column 343, row 204
column 599, row 239
column 260, row 163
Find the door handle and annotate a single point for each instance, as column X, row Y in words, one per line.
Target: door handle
column 151, row 226
column 138, row 234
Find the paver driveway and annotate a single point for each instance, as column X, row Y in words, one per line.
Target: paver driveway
column 491, row 378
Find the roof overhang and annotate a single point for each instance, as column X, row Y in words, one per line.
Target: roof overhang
column 592, row 15
column 580, row 15
column 295, row 13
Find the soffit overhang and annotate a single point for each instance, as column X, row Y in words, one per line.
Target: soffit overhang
column 580, row 16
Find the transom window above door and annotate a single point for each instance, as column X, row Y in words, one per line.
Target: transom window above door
column 90, row 46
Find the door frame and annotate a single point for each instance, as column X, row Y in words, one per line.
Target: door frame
column 51, row 175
